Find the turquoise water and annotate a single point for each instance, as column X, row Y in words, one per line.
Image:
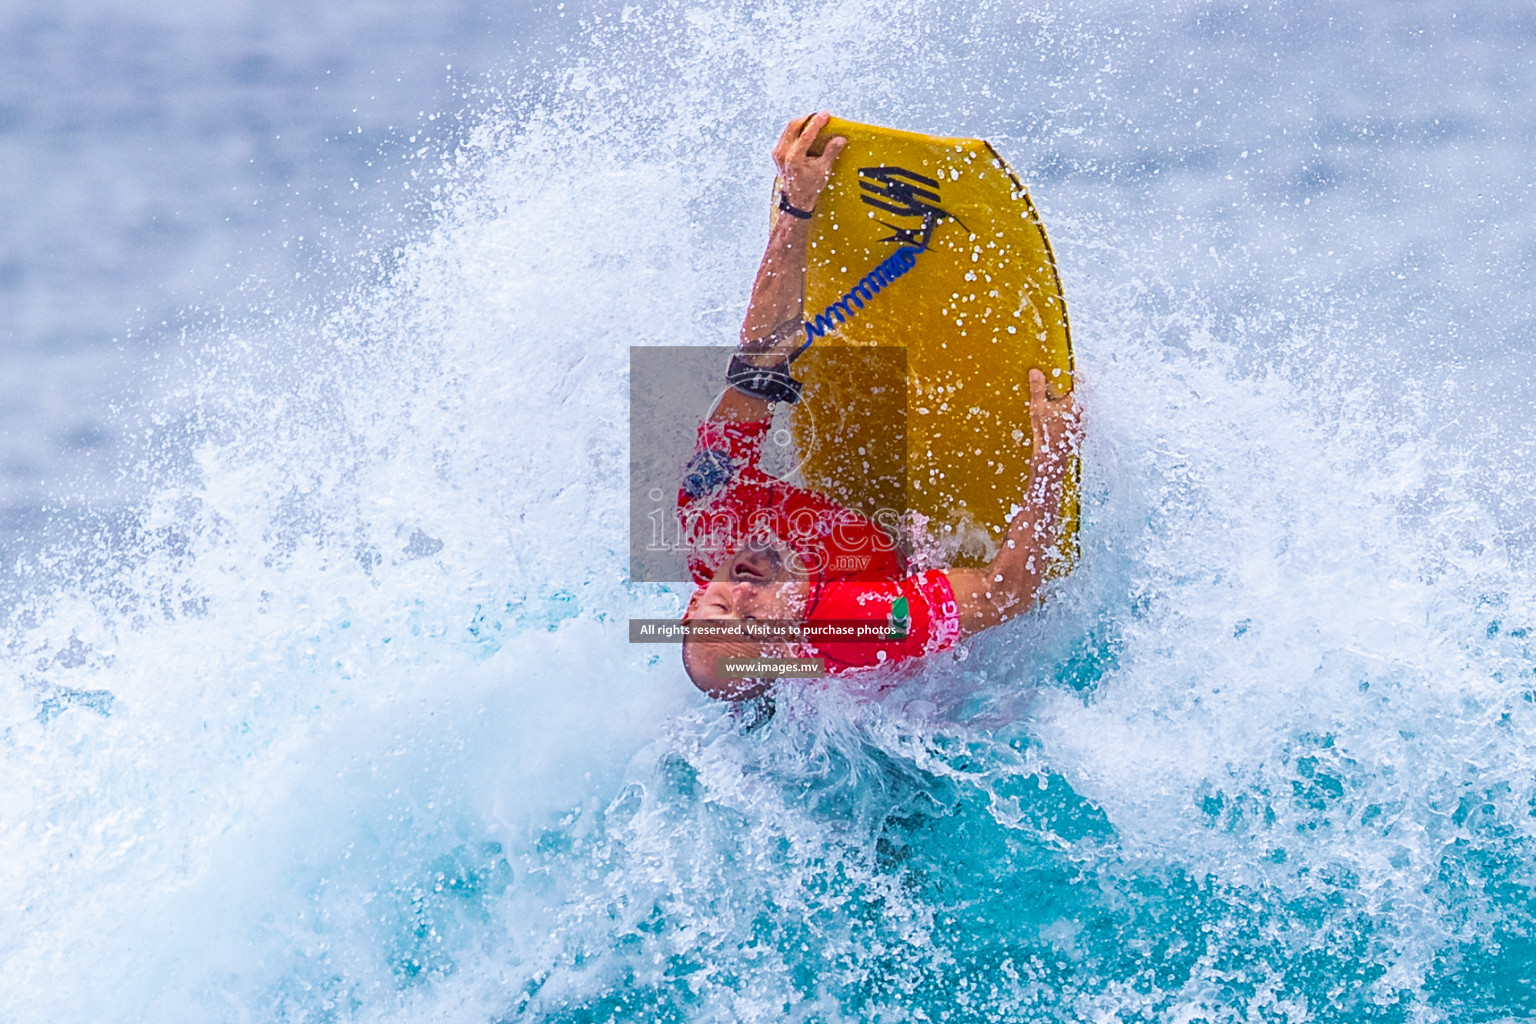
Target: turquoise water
column 335, row 719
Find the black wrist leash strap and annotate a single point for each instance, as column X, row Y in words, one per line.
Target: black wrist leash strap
column 770, row 383
column 794, row 211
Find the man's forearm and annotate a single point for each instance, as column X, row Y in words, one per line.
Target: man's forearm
column 1024, row 559
column 771, row 330
column 773, row 313
column 1010, row 584
column 778, row 293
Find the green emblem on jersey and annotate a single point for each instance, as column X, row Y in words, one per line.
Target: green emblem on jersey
column 899, row 621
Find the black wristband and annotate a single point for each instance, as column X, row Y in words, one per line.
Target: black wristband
column 770, row 383
column 794, row 211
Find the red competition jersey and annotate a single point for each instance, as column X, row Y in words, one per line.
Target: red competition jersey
column 859, row 574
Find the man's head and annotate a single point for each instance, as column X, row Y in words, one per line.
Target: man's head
column 765, row 581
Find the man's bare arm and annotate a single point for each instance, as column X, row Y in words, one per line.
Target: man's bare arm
column 772, row 328
column 1010, row 584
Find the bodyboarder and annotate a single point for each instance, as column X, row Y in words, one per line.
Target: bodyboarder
column 763, row 550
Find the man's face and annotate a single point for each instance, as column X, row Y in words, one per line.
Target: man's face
column 764, row 580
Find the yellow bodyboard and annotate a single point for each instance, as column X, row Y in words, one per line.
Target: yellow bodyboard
column 966, row 284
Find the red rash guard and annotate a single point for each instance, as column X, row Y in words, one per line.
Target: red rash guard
column 859, row 576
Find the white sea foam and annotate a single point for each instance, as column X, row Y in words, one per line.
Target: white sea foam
column 345, row 726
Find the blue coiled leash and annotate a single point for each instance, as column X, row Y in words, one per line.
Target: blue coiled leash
column 870, row 285
column 773, row 383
